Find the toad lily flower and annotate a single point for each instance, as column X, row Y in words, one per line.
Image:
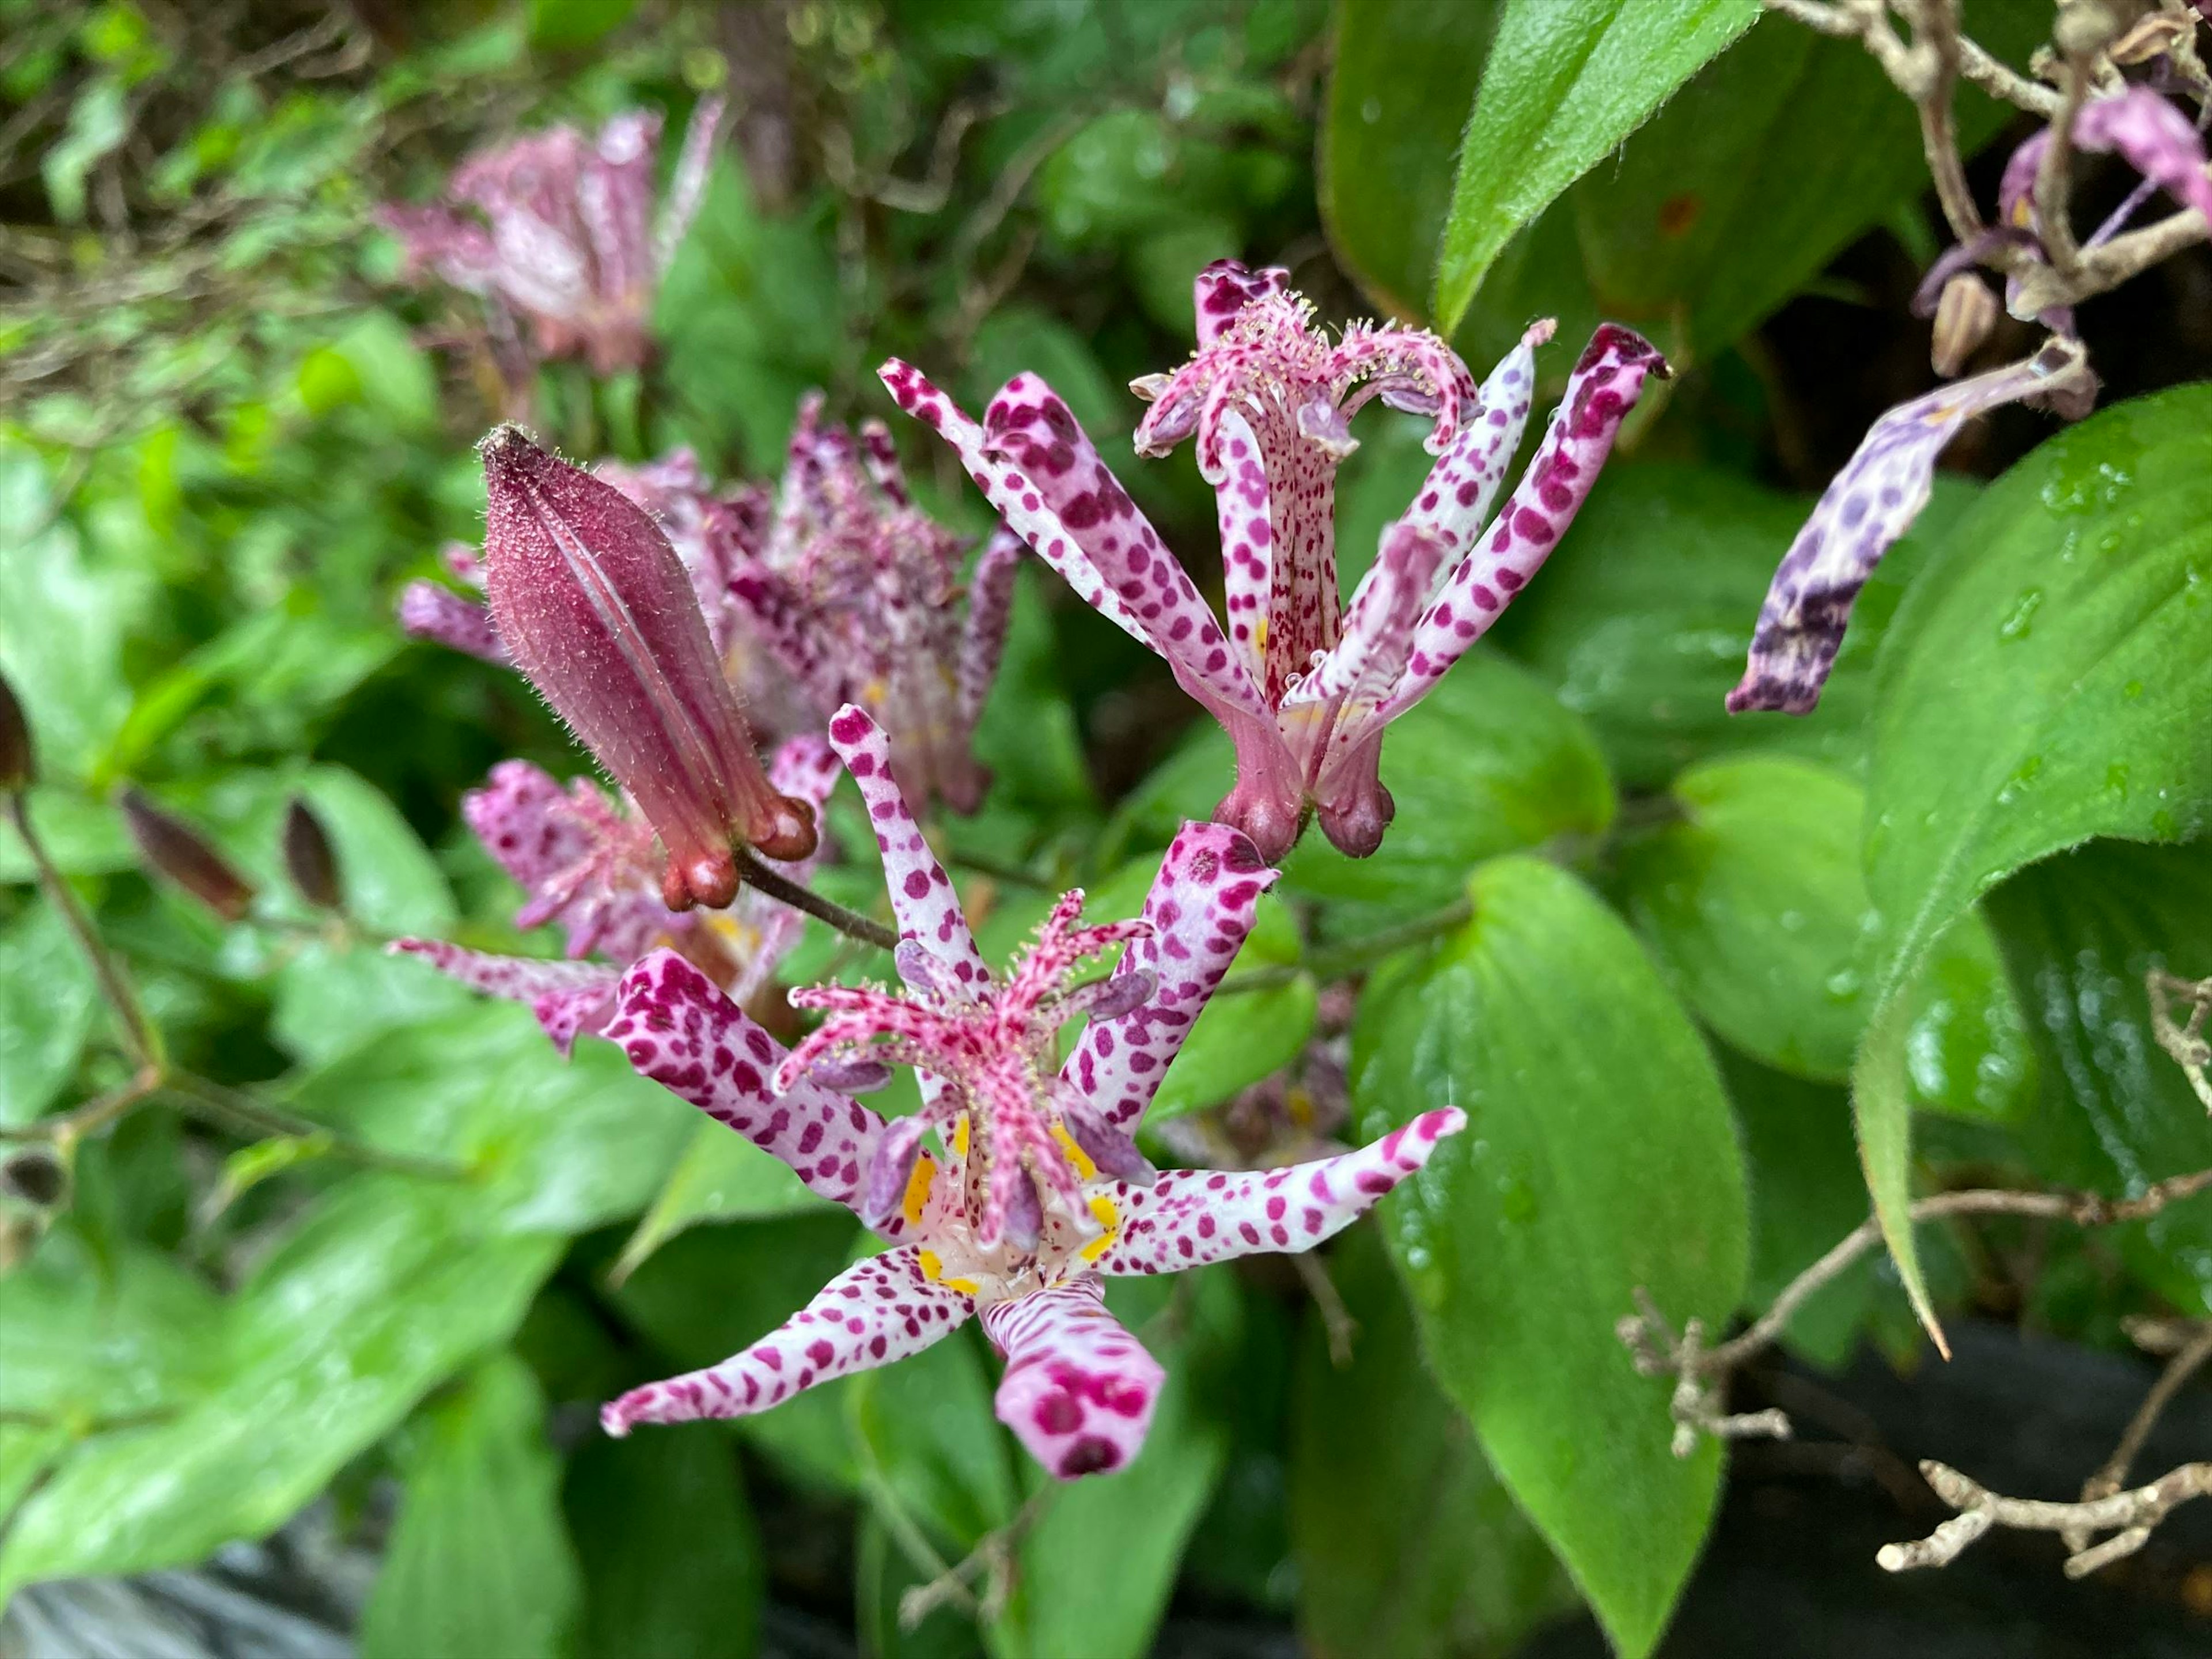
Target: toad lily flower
column 1035, row 1194
column 590, row 865
column 856, row 591
column 1303, row 684
column 595, row 609
column 567, row 242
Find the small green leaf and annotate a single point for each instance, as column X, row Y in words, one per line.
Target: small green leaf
column 1487, row 762
column 672, row 1555
column 722, row 1176
column 48, row 1000
column 1598, row 1159
column 1408, row 1546
column 1564, row 82
column 2044, row 680
column 1754, row 904
column 478, row 1561
column 2115, row 1113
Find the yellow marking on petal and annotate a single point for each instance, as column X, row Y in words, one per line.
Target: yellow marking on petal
column 933, row 1268
column 1076, row 1155
column 1108, row 1217
column 960, row 1136
column 1260, row 634
column 917, row 1190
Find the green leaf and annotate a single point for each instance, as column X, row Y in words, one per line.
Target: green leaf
column 48, row 1000
column 93, row 1336
column 1754, row 904
column 1489, row 762
column 927, row 1437
column 1643, row 618
column 882, row 1574
column 385, row 1287
column 1398, row 95
column 1408, row 1546
column 478, row 1561
column 722, row 1176
column 2043, row 682
column 2115, row 1113
column 83, row 835
column 1564, row 82
column 567, row 25
column 1599, row 1158
column 672, row 1555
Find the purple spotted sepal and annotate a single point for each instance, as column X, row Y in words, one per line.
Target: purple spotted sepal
column 595, row 609
column 1303, row 684
column 995, row 1206
column 1870, row 503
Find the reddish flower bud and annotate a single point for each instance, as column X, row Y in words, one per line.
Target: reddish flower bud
column 19, row 761
column 596, row 609
column 173, row 849
column 309, row 858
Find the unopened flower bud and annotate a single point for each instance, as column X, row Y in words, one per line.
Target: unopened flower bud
column 1964, row 317
column 36, row 1177
column 309, row 858
column 19, row 761
column 173, row 849
column 595, row 608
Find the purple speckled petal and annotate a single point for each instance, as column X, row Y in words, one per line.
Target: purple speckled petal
column 569, row 998
column 1871, row 503
column 2155, row 138
column 428, row 612
column 990, row 609
column 598, row 612
column 1079, row 1390
column 1160, row 610
column 679, row 1029
column 923, row 895
column 687, row 186
column 1605, row 385
column 874, row 1312
column 1188, row 1218
column 1200, row 908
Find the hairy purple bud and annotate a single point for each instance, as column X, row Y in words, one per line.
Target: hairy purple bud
column 19, row 761
column 309, row 858
column 595, row 608
column 173, row 849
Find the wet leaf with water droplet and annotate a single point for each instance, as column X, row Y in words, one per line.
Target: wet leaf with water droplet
column 1609, row 1162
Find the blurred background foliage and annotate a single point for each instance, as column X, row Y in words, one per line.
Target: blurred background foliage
column 228, row 434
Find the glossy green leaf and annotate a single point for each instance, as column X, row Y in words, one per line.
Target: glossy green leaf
column 1753, row 902
column 1487, row 762
column 2114, row 1113
column 1564, row 82
column 1408, row 1546
column 1642, row 619
column 478, row 1560
column 2044, row 680
column 48, row 1002
column 92, row 1337
column 882, row 1574
column 930, row 1445
column 1599, row 1157
column 670, row 1552
column 722, row 1176
column 384, row 1288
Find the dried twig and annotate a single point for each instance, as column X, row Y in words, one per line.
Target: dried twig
column 2108, row 1481
column 2185, row 1040
column 2133, row 1513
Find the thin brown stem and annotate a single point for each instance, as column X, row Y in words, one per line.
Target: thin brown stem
column 2054, row 178
column 64, row 1129
column 1336, row 1320
column 139, row 1034
column 763, row 876
column 2109, row 1480
column 2133, row 1513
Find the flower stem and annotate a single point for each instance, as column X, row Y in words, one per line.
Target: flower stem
column 139, row 1034
column 763, row 876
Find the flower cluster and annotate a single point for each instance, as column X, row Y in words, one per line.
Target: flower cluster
column 557, row 232
column 1304, row 684
column 1033, row 1193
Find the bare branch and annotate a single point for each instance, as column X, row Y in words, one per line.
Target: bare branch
column 2129, row 1515
column 2184, row 1040
column 2108, row 1481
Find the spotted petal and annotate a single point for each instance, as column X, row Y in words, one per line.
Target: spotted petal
column 1200, row 908
column 569, row 998
column 1191, row 1217
column 679, row 1029
column 1078, row 1390
column 1871, row 503
column 990, row 609
column 874, row 1312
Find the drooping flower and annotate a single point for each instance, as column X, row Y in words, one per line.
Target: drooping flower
column 2154, row 136
column 590, row 865
column 856, row 591
column 1034, row 1193
column 1303, row 684
column 1869, row 504
column 594, row 607
column 558, row 231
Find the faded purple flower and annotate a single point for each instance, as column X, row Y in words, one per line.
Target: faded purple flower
column 1034, row 1192
column 1303, row 684
column 558, row 231
column 856, row 591
column 589, row 865
column 1872, row 502
column 597, row 611
column 2155, row 138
